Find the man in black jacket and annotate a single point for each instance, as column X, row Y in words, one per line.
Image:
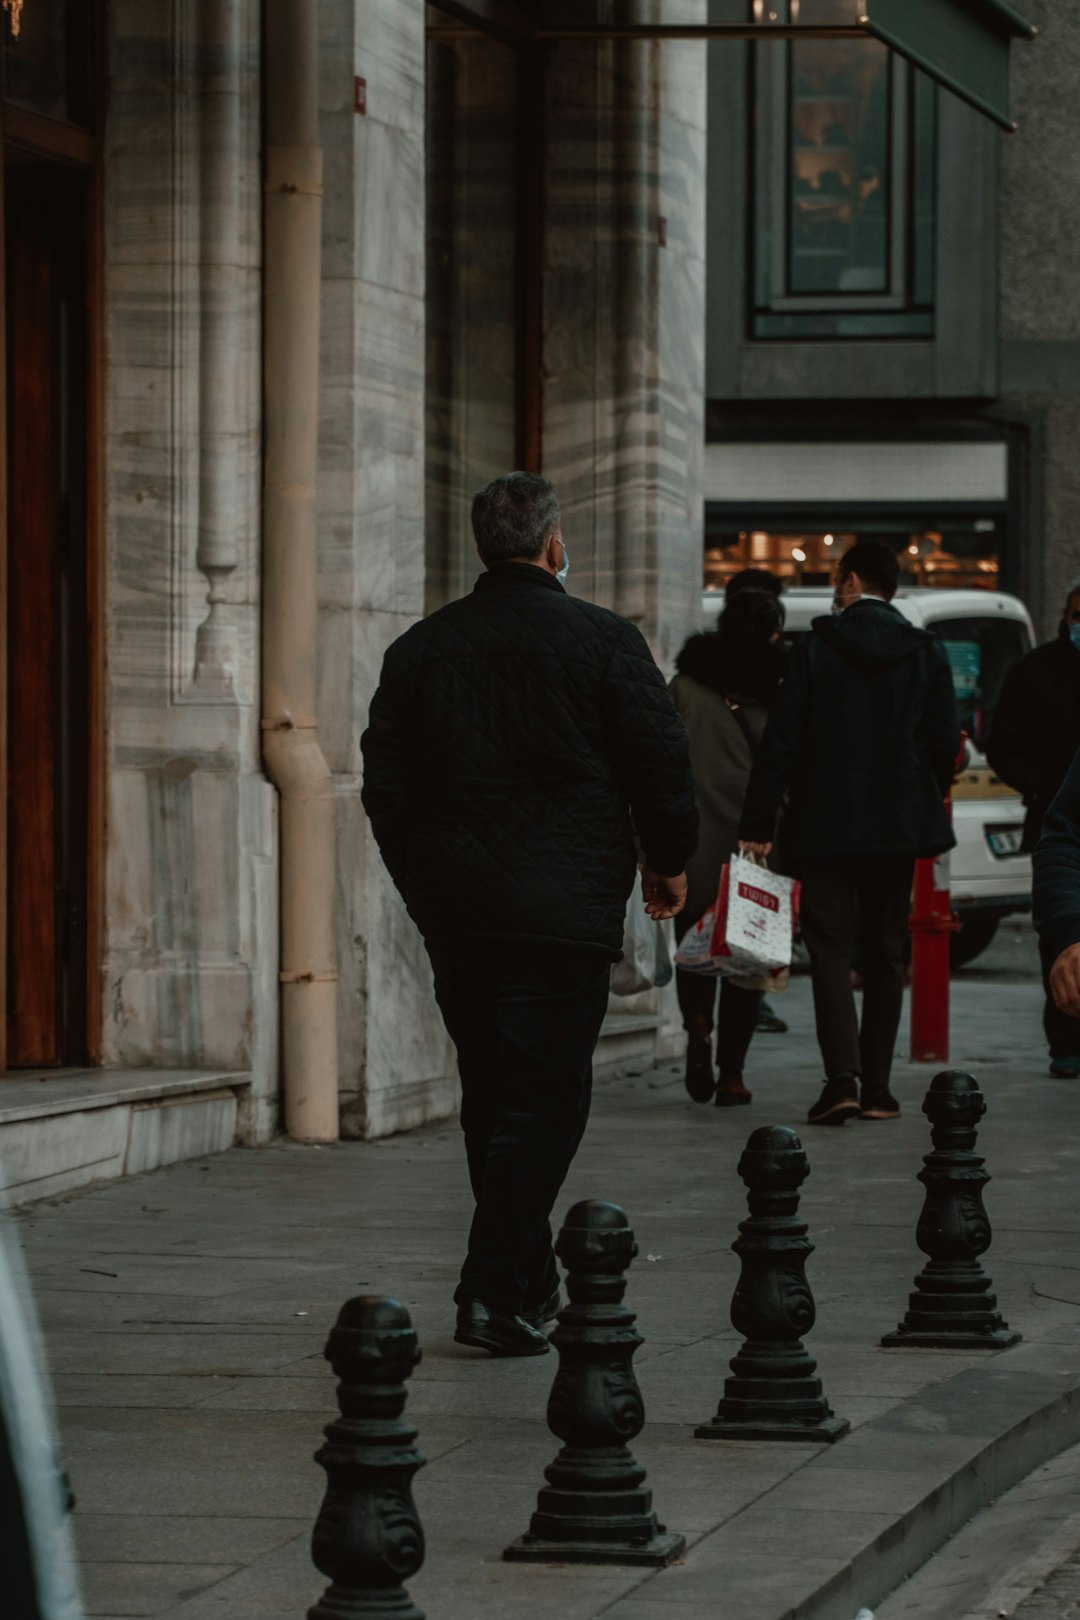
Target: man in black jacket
column 1033, row 739
column 513, row 736
column 864, row 740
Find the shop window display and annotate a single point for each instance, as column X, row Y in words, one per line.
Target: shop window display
column 958, row 554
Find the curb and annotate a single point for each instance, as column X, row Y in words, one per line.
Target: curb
column 847, row 1528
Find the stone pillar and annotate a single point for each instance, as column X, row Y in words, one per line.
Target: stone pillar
column 397, row 1066
column 624, row 318
column 191, row 910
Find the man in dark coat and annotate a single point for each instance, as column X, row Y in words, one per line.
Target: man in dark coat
column 864, row 739
column 1033, row 739
column 513, row 737
column 1057, row 895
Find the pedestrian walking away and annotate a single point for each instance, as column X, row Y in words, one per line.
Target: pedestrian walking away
column 517, row 739
column 768, row 1021
column 863, row 738
column 726, row 681
column 1057, row 895
column 1033, row 739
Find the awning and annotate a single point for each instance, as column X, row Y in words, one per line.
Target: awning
column 963, row 44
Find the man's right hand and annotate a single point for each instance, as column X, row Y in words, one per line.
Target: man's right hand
column 664, row 896
column 746, row 848
column 1065, row 981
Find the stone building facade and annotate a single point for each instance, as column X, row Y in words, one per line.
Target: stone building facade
column 513, row 272
column 181, row 1050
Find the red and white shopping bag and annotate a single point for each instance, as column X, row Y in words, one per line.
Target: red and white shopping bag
column 754, row 922
column 694, row 954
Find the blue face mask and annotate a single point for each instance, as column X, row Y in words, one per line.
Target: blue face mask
column 1074, row 635
column 565, row 569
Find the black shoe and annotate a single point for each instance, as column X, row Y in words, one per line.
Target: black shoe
column 879, row 1104
column 700, row 1081
column 839, row 1102
column 767, row 1022
column 502, row 1335
column 538, row 1315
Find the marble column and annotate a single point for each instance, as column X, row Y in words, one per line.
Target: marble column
column 471, row 297
column 190, row 962
column 624, row 316
column 397, row 1066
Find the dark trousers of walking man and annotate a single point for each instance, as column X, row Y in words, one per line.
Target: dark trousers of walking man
column 861, row 902
column 525, row 1029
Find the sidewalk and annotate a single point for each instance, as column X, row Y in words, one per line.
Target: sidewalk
column 185, row 1313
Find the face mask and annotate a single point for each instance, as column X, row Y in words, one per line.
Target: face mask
column 1074, row 635
column 565, row 569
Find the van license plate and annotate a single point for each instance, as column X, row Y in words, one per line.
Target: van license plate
column 1004, row 841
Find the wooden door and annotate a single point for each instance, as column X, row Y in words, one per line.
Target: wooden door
column 48, row 675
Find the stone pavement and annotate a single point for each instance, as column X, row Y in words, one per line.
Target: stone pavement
column 185, row 1314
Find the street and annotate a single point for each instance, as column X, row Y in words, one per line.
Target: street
column 185, row 1314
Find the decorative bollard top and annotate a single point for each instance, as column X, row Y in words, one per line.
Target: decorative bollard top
column 954, row 1105
column 773, row 1166
column 373, row 1349
column 596, row 1245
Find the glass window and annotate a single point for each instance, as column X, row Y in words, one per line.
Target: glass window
column 958, row 553
column 843, row 191
column 48, row 68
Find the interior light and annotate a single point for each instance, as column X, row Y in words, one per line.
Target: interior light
column 830, row 539
column 914, row 550
column 798, row 553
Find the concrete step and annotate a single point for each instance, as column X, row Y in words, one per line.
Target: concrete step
column 627, row 1038
column 64, row 1128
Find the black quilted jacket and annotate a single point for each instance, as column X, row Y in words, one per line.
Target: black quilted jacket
column 512, row 736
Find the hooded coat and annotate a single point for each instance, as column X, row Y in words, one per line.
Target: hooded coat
column 707, row 692
column 1036, row 727
column 864, row 737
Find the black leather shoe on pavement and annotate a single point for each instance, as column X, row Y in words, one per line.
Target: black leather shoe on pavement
column 699, row 1078
column 879, row 1105
column 839, row 1102
column 502, row 1335
column 538, row 1315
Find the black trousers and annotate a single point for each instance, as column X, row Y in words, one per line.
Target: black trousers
column 738, row 1015
column 1062, row 1030
column 865, row 898
column 525, row 1020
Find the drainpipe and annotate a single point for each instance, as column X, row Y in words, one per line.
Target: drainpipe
column 291, row 750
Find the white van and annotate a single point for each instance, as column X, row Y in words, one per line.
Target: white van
column 984, row 632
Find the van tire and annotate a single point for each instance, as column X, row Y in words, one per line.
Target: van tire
column 975, row 933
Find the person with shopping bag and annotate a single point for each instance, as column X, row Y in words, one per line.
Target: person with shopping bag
column 726, row 681
column 862, row 740
column 517, row 739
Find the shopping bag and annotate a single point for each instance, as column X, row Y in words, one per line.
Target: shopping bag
column 694, row 953
column 756, row 912
column 637, row 970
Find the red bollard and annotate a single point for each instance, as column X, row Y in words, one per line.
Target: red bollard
column 932, row 926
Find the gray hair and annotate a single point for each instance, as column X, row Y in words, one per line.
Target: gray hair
column 1073, row 590
column 514, row 517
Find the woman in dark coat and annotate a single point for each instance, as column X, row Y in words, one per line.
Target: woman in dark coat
column 726, row 682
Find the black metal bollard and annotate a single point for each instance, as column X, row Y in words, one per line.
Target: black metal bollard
column 595, row 1508
column 953, row 1306
column 773, row 1393
column 367, row 1537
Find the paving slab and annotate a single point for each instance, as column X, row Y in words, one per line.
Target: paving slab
column 193, row 1391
